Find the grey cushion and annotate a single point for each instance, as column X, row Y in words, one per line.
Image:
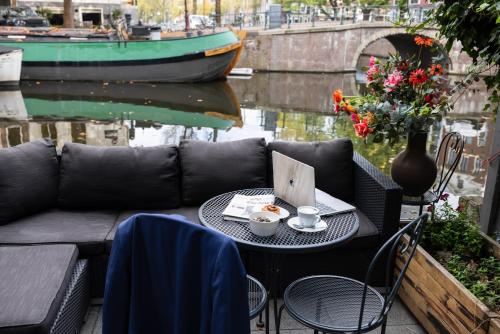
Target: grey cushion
column 87, row 229
column 190, row 212
column 367, row 235
column 28, row 179
column 33, row 280
column 210, row 169
column 332, row 162
column 119, row 177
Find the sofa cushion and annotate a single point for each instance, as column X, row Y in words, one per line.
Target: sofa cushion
column 210, row 169
column 33, row 281
column 190, row 212
column 87, row 229
column 28, row 179
column 119, row 177
column 332, row 162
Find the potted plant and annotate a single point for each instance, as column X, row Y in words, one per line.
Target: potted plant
column 453, row 283
column 405, row 99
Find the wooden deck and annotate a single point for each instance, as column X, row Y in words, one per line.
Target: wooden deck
column 400, row 322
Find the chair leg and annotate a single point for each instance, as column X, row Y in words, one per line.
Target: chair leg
column 384, row 324
column 278, row 320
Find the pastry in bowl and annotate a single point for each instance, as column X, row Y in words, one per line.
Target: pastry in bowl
column 271, row 208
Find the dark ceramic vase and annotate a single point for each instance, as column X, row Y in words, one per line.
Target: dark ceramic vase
column 413, row 169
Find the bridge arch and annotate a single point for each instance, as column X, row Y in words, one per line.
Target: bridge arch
column 403, row 43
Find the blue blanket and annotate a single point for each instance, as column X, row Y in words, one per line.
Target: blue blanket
column 168, row 275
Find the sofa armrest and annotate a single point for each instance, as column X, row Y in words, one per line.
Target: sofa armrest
column 377, row 196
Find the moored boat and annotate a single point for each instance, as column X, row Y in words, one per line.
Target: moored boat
column 191, row 59
column 10, row 65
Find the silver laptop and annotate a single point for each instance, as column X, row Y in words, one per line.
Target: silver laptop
column 294, row 182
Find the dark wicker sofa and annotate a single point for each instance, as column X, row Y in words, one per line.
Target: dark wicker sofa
column 81, row 196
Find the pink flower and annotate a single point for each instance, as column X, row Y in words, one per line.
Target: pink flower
column 372, row 71
column 393, row 80
column 355, row 117
column 372, row 61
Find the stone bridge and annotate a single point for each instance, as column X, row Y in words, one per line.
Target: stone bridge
column 335, row 48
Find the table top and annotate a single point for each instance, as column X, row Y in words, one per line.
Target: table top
column 341, row 227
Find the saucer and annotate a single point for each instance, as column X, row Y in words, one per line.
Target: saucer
column 283, row 212
column 320, row 226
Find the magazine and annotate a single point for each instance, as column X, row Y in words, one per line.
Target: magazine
column 241, row 206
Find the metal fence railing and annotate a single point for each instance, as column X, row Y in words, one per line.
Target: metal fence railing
column 312, row 17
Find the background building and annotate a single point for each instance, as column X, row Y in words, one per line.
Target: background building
column 87, row 12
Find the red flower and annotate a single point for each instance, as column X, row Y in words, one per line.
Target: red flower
column 428, row 99
column 418, row 77
column 337, row 96
column 362, row 129
column 403, row 66
column 444, row 197
column 337, row 108
column 430, row 208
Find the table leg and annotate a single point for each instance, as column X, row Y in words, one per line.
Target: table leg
column 273, row 264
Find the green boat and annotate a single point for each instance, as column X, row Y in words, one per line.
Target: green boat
column 191, row 59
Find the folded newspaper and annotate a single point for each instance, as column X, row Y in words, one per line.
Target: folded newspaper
column 241, row 206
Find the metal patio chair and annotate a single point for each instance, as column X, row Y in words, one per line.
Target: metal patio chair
column 451, row 148
column 257, row 296
column 335, row 304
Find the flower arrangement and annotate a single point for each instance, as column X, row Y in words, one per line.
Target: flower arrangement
column 404, row 97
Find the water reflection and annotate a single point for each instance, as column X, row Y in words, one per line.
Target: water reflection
column 276, row 106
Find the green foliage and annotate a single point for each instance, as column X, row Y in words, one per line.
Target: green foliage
column 116, row 14
column 476, row 24
column 481, row 278
column 453, row 238
column 373, row 2
column 452, row 230
column 45, row 12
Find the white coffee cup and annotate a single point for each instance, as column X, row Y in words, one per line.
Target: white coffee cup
column 308, row 216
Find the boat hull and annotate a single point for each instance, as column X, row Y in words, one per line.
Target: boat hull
column 188, row 69
column 195, row 59
column 10, row 67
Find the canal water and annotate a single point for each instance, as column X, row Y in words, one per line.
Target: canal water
column 276, row 106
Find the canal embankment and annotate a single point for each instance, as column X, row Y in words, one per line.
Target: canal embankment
column 332, row 49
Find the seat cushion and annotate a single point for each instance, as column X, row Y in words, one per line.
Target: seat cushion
column 29, row 176
column 87, row 229
column 210, row 169
column 119, row 177
column 190, row 212
column 367, row 235
column 332, row 162
column 33, row 281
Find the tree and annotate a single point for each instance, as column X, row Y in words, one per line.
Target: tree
column 217, row 12
column 476, row 24
column 68, row 16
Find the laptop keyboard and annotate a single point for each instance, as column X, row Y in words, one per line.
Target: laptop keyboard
column 324, row 210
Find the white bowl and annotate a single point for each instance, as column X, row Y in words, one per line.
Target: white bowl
column 264, row 229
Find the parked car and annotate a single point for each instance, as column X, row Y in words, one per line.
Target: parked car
column 21, row 17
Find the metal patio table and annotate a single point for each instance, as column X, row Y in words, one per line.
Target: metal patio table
column 341, row 228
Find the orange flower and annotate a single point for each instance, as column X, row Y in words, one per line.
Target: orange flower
column 350, row 109
column 436, row 69
column 337, row 96
column 419, row 40
column 370, row 117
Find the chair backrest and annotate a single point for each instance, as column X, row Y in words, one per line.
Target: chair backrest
column 388, row 252
column 449, row 152
column 168, row 275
